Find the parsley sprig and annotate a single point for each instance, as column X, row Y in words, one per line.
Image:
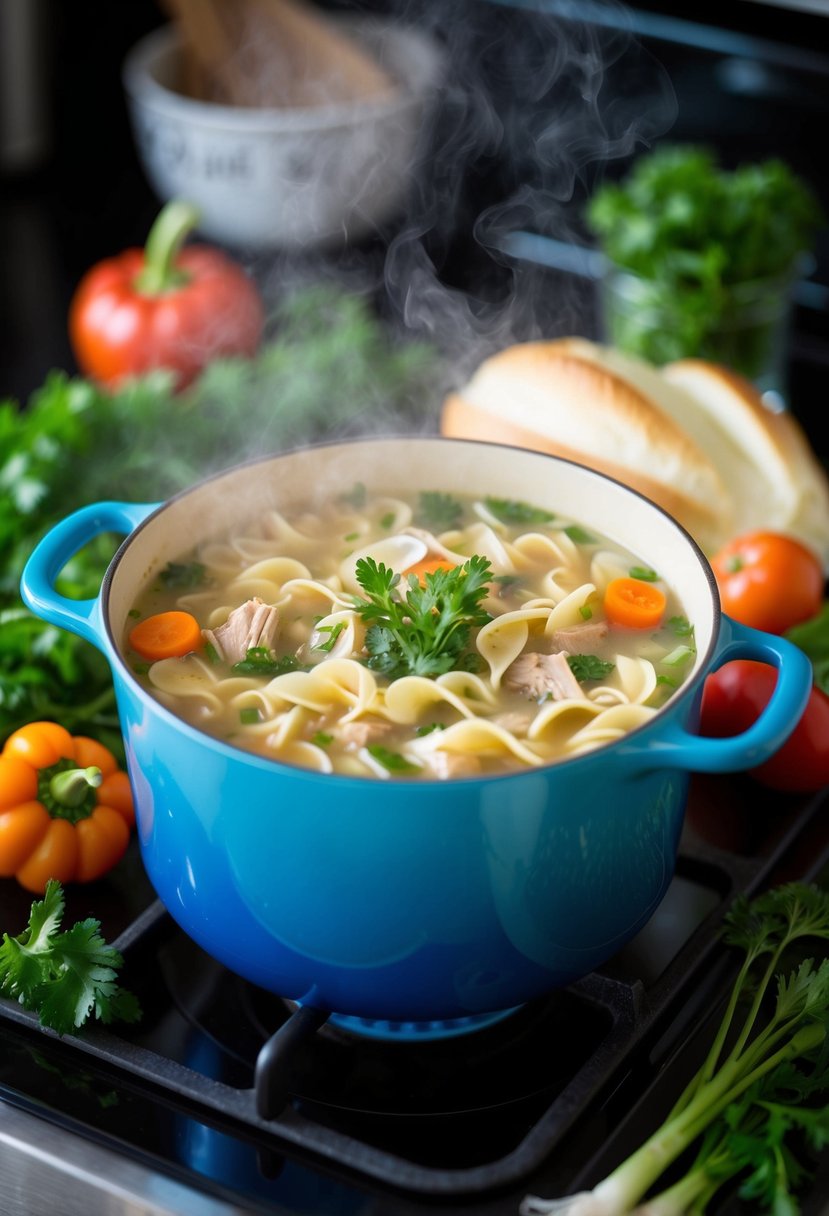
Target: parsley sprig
column 427, row 631
column 64, row 975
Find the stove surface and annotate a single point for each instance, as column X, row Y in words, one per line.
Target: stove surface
column 225, row 1099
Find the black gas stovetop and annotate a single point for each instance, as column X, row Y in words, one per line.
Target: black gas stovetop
column 248, row 1100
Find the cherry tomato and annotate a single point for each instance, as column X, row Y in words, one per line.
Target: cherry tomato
column 734, row 697
column 769, row 580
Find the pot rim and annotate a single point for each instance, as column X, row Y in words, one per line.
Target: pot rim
column 687, row 690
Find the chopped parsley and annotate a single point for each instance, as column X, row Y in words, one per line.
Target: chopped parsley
column 182, row 575
column 322, row 738
column 428, row 730
column 260, row 662
column 388, row 519
column 438, row 511
column 589, row 667
column 579, row 535
column 681, row 626
column 392, row 761
column 249, row 715
column 355, row 497
column 512, row 511
column 644, row 574
column 506, row 581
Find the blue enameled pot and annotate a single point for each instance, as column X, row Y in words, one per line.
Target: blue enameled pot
column 411, row 901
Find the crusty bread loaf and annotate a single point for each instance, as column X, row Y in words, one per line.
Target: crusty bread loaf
column 694, row 437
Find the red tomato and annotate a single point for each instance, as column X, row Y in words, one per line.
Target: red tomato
column 769, row 580
column 163, row 306
column 733, row 699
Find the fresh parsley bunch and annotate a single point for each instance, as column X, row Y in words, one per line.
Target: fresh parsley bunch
column 699, row 238
column 426, row 631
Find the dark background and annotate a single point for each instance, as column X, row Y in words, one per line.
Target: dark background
column 750, row 78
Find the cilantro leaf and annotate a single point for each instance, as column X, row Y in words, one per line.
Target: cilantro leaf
column 427, row 632
column 64, row 976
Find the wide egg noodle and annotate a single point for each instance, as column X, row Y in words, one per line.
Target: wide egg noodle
column 608, row 725
column 478, row 736
column 333, row 685
column 407, row 699
column 481, row 540
column 343, row 631
column 305, row 755
column 289, row 539
column 538, row 549
column 605, row 566
column 503, row 639
column 633, row 682
column 571, row 610
column 266, row 578
column 309, row 595
column 389, row 515
column 194, row 680
column 558, row 721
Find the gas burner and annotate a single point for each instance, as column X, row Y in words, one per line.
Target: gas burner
column 413, row 1032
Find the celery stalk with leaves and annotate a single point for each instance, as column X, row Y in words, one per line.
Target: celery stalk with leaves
column 759, row 1090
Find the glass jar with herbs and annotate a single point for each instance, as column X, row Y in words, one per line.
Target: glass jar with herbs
column 701, row 261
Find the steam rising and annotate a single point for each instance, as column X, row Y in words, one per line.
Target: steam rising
column 533, row 109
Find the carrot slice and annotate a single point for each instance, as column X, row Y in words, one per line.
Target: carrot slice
column 634, row 603
column 428, row 566
column 166, row 635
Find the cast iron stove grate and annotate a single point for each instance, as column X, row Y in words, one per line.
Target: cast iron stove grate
column 469, row 1116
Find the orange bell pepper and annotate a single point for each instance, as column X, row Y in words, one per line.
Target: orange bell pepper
column 66, row 809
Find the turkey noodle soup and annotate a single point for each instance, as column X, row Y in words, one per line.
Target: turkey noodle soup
column 425, row 636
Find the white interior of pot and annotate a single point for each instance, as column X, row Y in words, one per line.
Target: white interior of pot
column 235, row 499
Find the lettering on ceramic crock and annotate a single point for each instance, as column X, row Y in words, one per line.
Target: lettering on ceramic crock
column 176, row 154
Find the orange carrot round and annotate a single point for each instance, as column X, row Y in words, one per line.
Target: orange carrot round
column 428, row 566
column 166, row 635
column 634, row 603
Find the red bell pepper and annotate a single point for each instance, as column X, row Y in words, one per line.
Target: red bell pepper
column 164, row 306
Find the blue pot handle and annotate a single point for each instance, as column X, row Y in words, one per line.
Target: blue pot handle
column 677, row 747
column 50, row 555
